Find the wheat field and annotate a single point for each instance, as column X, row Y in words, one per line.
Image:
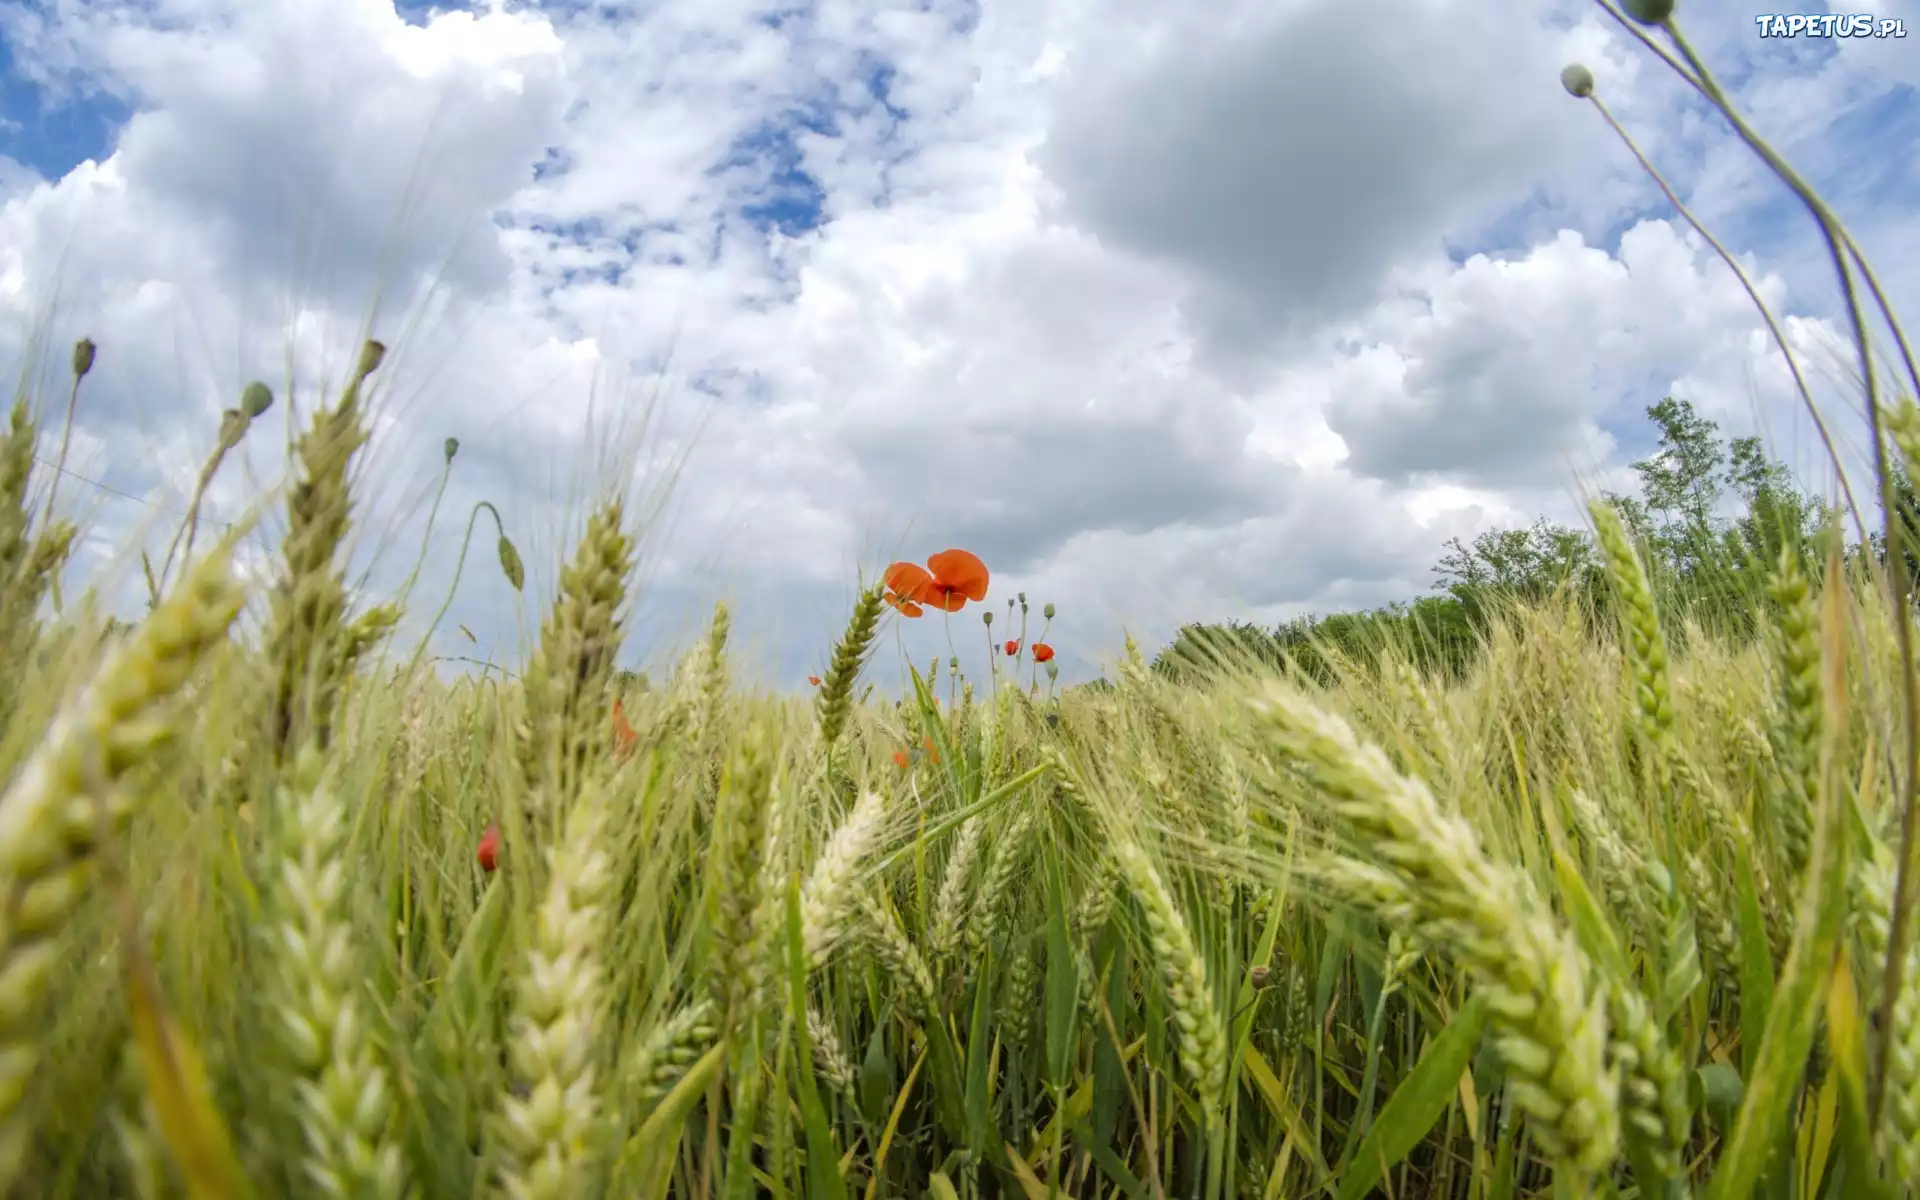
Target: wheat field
column 1616, row 910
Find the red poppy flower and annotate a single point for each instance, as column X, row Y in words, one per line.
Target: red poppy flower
column 814, row 680
column 624, row 735
column 900, row 759
column 904, row 581
column 489, row 852
column 932, row 754
column 1013, row 648
column 947, row 582
column 1042, row 652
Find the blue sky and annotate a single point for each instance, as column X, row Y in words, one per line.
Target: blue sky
column 50, row 132
column 1074, row 286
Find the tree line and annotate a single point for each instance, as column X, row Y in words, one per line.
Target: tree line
column 1712, row 522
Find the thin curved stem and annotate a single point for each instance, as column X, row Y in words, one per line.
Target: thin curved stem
column 191, row 523
column 59, row 469
column 1753, row 294
column 426, row 538
column 1710, row 90
column 66, row 440
column 459, row 568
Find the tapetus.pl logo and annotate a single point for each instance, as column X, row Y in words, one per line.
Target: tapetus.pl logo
column 1829, row 25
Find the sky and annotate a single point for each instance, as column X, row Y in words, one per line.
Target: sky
column 1236, row 310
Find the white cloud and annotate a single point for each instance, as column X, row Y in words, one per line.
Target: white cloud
column 1168, row 318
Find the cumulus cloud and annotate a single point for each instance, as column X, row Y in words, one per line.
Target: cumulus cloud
column 1506, row 373
column 1167, row 318
column 1291, row 158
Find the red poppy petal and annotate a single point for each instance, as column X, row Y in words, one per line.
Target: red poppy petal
column 961, row 571
column 1042, row 652
column 943, row 599
column 908, row 580
column 489, row 852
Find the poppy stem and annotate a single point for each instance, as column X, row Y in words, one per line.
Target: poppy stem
column 953, row 679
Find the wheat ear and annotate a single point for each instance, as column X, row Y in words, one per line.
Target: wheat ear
column 70, row 789
column 1547, row 1005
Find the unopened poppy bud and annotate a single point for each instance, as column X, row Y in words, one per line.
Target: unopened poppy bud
column 255, row 398
column 1649, row 12
column 1053, row 671
column 1577, row 80
column 371, row 355
column 1046, row 610
column 450, row 448
column 82, row 357
column 510, row 564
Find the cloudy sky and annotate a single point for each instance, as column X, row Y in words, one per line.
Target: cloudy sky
column 1237, row 309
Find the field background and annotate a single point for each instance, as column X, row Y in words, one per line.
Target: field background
column 1581, row 876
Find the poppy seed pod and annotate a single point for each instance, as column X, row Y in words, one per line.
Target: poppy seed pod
column 371, row 356
column 1259, row 976
column 986, row 615
column 451, row 447
column 1577, row 80
column 510, row 564
column 1649, row 12
column 255, row 398
column 1047, row 610
column 82, row 357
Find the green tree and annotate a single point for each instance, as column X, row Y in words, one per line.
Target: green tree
column 1517, row 562
column 1778, row 514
